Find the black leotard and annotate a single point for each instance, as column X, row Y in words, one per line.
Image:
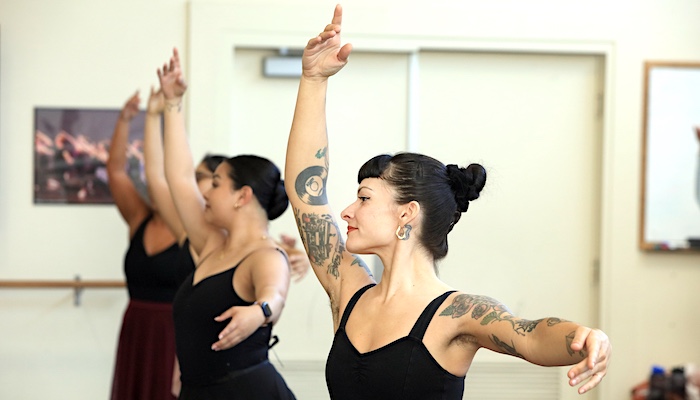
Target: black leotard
column 403, row 369
column 241, row 372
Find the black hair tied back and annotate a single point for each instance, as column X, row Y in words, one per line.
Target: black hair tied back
column 466, row 183
column 279, row 201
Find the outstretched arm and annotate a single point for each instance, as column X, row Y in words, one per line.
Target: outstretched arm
column 307, row 165
column 270, row 278
column 547, row 341
column 131, row 206
column 158, row 189
column 179, row 166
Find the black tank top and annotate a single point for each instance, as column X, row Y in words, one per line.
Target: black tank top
column 194, row 309
column 151, row 277
column 403, row 369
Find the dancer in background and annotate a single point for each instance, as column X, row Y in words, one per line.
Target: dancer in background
column 146, row 349
column 225, row 309
column 162, row 200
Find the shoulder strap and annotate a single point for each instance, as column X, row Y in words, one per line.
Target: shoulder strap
column 424, row 320
column 351, row 305
column 142, row 227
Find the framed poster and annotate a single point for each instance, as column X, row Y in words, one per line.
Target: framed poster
column 71, row 148
column 670, row 219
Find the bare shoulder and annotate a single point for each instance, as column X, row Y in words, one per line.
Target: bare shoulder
column 268, row 257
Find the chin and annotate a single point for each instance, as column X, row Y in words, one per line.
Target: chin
column 354, row 248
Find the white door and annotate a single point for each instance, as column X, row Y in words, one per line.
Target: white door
column 531, row 240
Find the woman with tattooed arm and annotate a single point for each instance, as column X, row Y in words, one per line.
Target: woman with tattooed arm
column 410, row 336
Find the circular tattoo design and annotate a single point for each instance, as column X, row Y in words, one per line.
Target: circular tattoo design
column 311, row 185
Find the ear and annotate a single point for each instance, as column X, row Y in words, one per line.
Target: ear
column 409, row 212
column 246, row 195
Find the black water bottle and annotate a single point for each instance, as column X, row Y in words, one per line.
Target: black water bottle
column 657, row 384
column 676, row 385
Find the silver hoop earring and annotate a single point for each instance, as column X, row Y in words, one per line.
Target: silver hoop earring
column 403, row 232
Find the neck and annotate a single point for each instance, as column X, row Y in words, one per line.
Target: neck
column 406, row 270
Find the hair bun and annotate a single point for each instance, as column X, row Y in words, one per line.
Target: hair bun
column 466, row 183
column 278, row 202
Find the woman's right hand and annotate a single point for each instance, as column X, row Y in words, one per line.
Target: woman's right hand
column 131, row 108
column 156, row 102
column 172, row 79
column 323, row 55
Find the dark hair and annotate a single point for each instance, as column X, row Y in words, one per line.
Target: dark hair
column 264, row 178
column 211, row 161
column 443, row 192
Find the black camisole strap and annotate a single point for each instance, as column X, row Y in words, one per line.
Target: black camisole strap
column 351, row 304
column 421, row 325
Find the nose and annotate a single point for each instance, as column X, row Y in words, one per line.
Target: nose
column 346, row 214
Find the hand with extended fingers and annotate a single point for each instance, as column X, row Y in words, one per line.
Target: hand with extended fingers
column 244, row 321
column 592, row 369
column 172, row 79
column 323, row 55
column 298, row 260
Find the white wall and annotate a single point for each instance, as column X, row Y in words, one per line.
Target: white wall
column 95, row 53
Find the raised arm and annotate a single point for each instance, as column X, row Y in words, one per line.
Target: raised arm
column 547, row 341
column 127, row 199
column 179, row 166
column 158, row 189
column 307, row 167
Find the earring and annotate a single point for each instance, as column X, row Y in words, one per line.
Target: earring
column 403, row 232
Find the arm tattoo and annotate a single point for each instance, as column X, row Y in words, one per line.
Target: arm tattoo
column 170, row 106
column 357, row 260
column 317, row 232
column 310, row 184
column 506, row 348
column 554, row 321
column 569, row 340
column 492, row 311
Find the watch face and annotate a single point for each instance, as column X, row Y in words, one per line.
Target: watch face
column 266, row 309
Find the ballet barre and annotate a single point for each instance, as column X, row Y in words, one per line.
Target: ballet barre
column 77, row 284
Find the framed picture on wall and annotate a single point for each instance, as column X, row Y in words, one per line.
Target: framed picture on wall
column 71, row 147
column 670, row 219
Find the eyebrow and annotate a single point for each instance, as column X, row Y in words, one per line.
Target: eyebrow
column 364, row 187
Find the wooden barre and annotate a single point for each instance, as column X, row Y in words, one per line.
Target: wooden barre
column 77, row 285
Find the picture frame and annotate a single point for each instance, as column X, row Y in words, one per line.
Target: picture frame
column 71, row 148
column 670, row 187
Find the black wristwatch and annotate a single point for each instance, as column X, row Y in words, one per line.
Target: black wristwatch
column 267, row 312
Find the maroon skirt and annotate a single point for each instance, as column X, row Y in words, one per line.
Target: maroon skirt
column 146, row 353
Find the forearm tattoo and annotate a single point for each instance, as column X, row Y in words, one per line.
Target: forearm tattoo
column 506, row 348
column 174, row 105
column 569, row 340
column 491, row 311
column 324, row 245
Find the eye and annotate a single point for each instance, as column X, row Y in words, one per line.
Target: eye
column 363, row 198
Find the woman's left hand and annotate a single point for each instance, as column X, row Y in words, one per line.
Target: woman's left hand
column 592, row 369
column 244, row 321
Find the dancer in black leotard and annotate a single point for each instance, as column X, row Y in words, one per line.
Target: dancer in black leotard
column 223, row 319
column 410, row 336
column 146, row 350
